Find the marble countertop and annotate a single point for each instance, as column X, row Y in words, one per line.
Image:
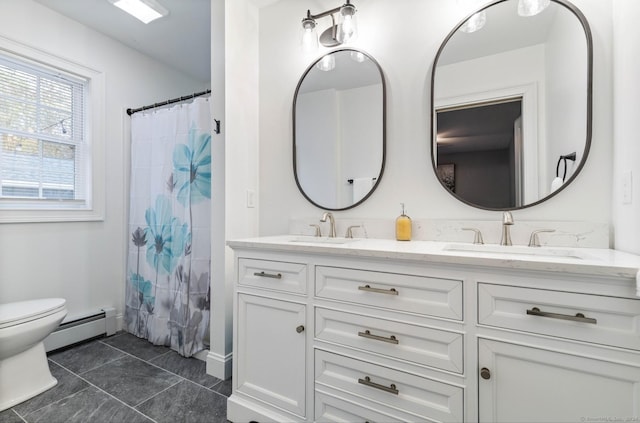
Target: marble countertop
column 591, row 261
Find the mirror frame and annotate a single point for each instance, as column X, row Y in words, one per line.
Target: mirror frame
column 384, row 130
column 589, row 40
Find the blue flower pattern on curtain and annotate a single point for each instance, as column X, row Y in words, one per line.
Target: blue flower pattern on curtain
column 168, row 294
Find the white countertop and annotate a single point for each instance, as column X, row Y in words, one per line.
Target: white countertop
column 591, row 261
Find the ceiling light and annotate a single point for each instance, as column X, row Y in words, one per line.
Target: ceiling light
column 532, row 7
column 336, row 34
column 143, row 10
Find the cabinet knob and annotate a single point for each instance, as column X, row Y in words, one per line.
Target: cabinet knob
column 485, row 373
column 300, row 329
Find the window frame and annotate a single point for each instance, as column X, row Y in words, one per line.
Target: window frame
column 92, row 208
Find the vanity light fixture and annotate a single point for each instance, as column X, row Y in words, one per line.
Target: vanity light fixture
column 143, row 10
column 340, row 33
column 532, row 7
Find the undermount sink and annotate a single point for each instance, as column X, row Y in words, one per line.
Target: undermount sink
column 321, row 240
column 521, row 250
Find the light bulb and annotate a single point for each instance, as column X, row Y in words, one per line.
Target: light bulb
column 532, row 7
column 358, row 56
column 474, row 23
column 348, row 27
column 327, row 63
column 309, row 38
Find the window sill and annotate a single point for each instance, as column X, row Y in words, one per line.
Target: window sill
column 49, row 216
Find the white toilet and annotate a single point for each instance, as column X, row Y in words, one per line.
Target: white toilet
column 24, row 371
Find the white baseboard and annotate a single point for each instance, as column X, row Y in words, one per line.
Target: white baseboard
column 219, row 366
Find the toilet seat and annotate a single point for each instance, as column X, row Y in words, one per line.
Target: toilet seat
column 12, row 314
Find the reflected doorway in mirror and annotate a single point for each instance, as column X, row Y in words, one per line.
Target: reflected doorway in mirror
column 447, row 175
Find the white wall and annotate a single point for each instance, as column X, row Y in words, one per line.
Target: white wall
column 235, row 76
column 82, row 262
column 361, row 113
column 335, row 132
column 626, row 111
column 405, row 45
column 566, row 97
column 318, row 145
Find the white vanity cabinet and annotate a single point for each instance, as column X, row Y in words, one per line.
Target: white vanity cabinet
column 534, row 384
column 270, row 337
column 552, row 378
column 324, row 338
column 376, row 333
column 383, row 341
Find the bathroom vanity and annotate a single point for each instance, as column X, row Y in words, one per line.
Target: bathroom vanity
column 343, row 330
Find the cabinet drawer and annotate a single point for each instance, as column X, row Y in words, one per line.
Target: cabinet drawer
column 417, row 294
column 331, row 408
column 378, row 386
column 421, row 345
column 276, row 275
column 584, row 317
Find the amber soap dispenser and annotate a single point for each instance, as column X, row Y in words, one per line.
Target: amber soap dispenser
column 403, row 226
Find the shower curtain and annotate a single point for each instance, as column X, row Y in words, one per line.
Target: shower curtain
column 167, row 291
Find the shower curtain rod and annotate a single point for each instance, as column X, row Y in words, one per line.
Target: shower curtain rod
column 164, row 103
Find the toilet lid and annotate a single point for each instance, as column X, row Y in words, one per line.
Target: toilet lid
column 24, row 311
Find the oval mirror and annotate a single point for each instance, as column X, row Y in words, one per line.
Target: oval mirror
column 512, row 104
column 339, row 129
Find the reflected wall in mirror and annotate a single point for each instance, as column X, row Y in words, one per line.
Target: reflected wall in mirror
column 509, row 100
column 339, row 129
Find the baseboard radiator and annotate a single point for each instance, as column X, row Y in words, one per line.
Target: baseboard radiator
column 82, row 328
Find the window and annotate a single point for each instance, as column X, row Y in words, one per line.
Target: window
column 48, row 139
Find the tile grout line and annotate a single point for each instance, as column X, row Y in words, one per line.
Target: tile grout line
column 101, row 390
column 88, row 370
column 169, row 371
column 19, row 415
column 24, row 418
column 158, row 393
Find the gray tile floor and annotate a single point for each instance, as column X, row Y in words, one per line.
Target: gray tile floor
column 124, row 379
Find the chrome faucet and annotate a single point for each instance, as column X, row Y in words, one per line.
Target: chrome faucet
column 507, row 220
column 332, row 223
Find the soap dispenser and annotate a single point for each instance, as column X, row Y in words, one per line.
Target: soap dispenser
column 403, row 226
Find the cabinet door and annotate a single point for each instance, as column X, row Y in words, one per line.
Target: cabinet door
column 271, row 351
column 526, row 384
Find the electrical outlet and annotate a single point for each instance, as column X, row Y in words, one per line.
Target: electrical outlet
column 627, row 179
column 251, row 199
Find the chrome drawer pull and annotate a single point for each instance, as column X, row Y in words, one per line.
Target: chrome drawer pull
column 579, row 317
column 368, row 288
column 367, row 334
column 391, row 388
column 268, row 275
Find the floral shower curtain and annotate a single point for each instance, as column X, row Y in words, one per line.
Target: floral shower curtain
column 167, row 294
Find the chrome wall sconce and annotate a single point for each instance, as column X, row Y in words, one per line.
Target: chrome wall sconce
column 336, row 34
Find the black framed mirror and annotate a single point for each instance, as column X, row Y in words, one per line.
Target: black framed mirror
column 339, row 127
column 512, row 105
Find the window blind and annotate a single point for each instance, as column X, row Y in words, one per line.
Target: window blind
column 42, row 134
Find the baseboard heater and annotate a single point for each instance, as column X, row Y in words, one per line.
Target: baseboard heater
column 82, row 328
